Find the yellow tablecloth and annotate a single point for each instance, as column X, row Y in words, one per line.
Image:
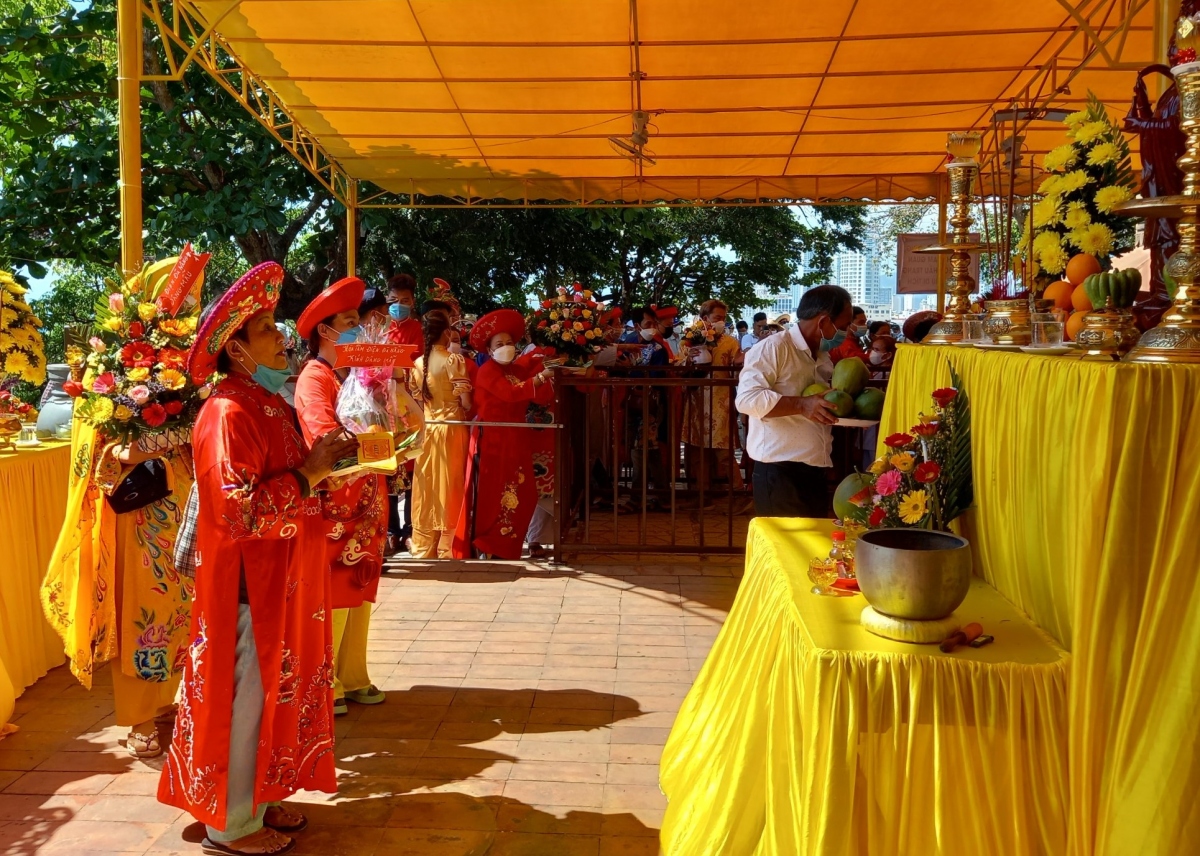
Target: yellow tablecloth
column 1087, row 487
column 33, row 499
column 804, row 734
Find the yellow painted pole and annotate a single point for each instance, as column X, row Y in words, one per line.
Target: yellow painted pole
column 129, row 134
column 1164, row 23
column 941, row 259
column 351, row 228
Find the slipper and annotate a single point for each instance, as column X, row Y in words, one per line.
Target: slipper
column 339, row 707
column 215, row 848
column 368, row 695
column 283, row 827
column 143, row 746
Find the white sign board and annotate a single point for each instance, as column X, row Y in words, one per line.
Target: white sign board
column 916, row 273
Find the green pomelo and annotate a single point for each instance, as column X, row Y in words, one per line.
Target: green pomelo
column 850, row 375
column 869, row 404
column 843, row 404
column 818, row 388
column 842, row 506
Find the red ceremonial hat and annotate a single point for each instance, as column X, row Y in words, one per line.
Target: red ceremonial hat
column 257, row 291
column 609, row 314
column 666, row 314
column 342, row 296
column 501, row 321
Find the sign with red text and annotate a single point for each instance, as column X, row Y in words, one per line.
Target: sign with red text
column 916, row 273
column 368, row 355
column 184, row 276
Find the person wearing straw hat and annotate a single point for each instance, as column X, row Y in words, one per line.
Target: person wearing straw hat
column 505, row 490
column 356, row 511
column 255, row 713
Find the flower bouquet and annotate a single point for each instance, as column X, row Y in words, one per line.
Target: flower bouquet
column 569, row 324
column 22, row 351
column 137, row 381
column 924, row 479
column 701, row 337
column 1087, row 178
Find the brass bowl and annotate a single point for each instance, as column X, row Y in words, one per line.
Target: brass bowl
column 1107, row 333
column 914, row 574
column 1008, row 322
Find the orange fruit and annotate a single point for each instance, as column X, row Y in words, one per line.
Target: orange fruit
column 1060, row 293
column 1080, row 267
column 1075, row 324
column 1080, row 301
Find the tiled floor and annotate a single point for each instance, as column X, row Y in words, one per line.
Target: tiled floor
column 526, row 712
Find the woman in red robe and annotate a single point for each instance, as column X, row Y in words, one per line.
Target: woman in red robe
column 355, row 513
column 505, row 489
column 255, row 720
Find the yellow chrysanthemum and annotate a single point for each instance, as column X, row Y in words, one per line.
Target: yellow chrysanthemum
column 147, row 311
column 913, row 507
column 1103, row 153
column 903, row 461
column 8, row 317
column 1061, row 158
column 1053, row 259
column 1074, row 180
column 100, row 409
column 138, row 375
column 1044, row 241
column 1076, row 119
column 1108, row 198
column 13, row 287
column 35, row 375
column 1091, row 131
column 16, row 362
column 172, row 379
column 1077, row 216
column 1047, row 212
column 1097, row 240
column 1050, row 186
column 122, row 413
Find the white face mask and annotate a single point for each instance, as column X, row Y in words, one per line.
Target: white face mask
column 505, row 354
column 876, row 358
column 454, row 348
column 647, row 335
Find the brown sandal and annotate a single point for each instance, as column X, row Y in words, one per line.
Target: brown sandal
column 143, row 746
column 265, row 842
column 291, row 821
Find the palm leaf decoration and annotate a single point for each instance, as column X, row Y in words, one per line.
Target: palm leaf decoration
column 959, row 491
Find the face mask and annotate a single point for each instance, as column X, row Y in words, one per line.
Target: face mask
column 454, row 348
column 399, row 311
column 839, row 336
column 272, row 380
column 505, row 354
column 349, row 337
column 876, row 358
column 647, row 335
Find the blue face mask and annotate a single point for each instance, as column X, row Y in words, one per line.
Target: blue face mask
column 272, row 380
column 830, row 344
column 349, row 337
column 399, row 311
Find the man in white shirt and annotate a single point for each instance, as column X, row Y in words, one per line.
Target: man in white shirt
column 789, row 436
column 751, row 338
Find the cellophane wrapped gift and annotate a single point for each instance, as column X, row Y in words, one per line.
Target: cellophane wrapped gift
column 377, row 407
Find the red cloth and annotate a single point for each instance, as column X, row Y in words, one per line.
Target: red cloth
column 507, row 492
column 355, row 515
column 848, row 348
column 254, row 517
column 407, row 332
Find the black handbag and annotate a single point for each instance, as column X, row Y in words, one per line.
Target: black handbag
column 145, row 483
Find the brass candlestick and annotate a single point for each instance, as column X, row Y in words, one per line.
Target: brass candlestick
column 963, row 172
column 1177, row 337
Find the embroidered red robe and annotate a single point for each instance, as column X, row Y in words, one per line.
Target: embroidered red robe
column 253, row 517
column 355, row 515
column 506, row 492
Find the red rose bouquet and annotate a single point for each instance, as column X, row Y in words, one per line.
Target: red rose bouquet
column 137, row 381
column 924, row 478
column 570, row 325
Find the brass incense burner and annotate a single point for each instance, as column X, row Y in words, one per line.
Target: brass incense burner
column 1108, row 333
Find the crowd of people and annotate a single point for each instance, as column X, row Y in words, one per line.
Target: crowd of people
column 235, row 608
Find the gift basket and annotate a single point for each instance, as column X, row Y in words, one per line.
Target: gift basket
column 375, row 406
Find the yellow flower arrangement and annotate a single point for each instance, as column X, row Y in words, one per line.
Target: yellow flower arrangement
column 16, row 362
column 172, row 379
column 1046, row 212
column 1054, row 260
column 1104, row 153
column 1051, row 185
column 1096, row 239
column 1074, row 120
column 1077, row 216
column 913, row 506
column 1060, row 158
column 22, row 350
column 1044, row 241
column 1074, row 180
column 1108, row 198
column 101, row 408
column 1090, row 131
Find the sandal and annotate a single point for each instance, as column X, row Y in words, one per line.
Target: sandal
column 284, row 819
column 537, row 551
column 368, row 695
column 339, row 707
column 265, row 842
column 143, row 746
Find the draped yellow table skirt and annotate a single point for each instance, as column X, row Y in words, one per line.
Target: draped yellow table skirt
column 1087, row 490
column 33, row 499
column 804, row 734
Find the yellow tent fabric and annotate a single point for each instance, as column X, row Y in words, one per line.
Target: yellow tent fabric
column 755, row 99
column 804, row 734
column 1087, row 485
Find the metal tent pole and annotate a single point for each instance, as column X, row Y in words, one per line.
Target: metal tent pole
column 129, row 116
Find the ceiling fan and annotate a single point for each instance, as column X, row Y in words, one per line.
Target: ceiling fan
column 634, row 147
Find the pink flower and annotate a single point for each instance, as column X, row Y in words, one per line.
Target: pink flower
column 888, row 483
column 140, row 394
column 97, row 344
column 104, row 383
column 116, row 302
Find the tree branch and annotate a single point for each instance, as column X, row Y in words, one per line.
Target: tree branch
column 296, row 226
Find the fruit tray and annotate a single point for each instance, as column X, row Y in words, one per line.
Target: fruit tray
column 856, row 423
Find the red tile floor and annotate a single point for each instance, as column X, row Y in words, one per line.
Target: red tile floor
column 527, row 709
